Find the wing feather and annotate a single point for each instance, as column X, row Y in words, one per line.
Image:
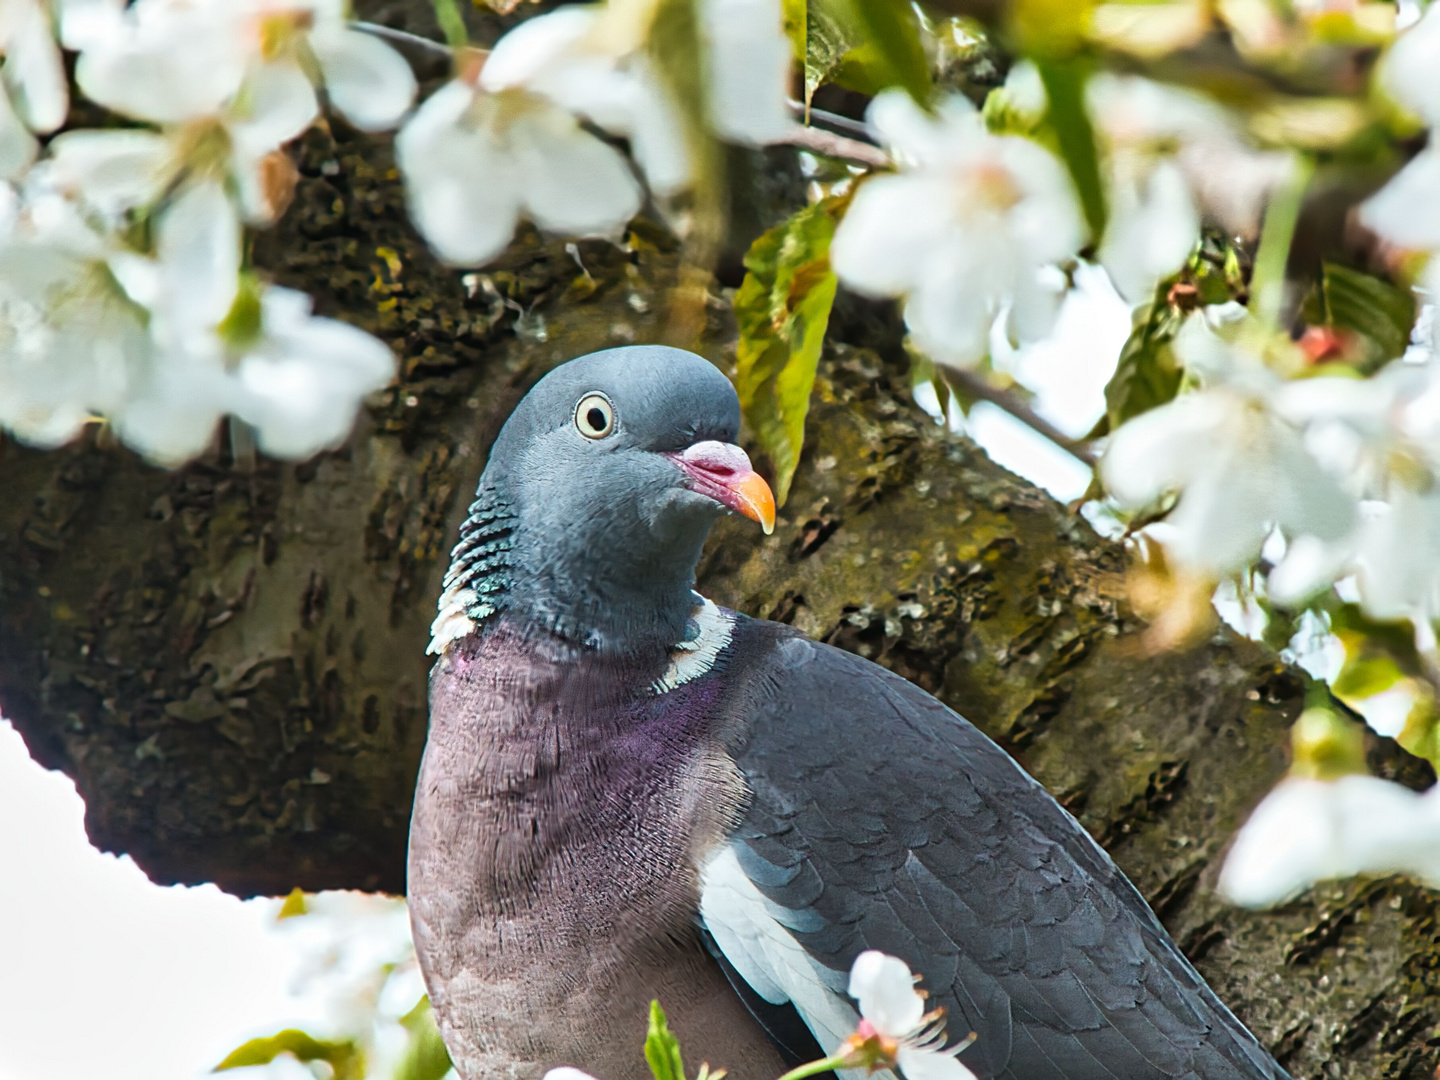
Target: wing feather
column 879, row 818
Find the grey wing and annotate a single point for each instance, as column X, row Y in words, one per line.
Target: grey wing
column 880, row 819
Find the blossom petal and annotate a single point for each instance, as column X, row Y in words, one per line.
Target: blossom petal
column 177, row 65
column 113, row 171
column 949, row 312
column 908, row 132
column 303, row 384
column 1409, row 69
column 368, row 81
column 1159, row 451
column 657, row 137
column 748, row 63
column 1307, row 831
column 920, row 1064
column 17, row 146
column 172, row 419
column 525, row 52
column 885, row 991
column 1153, row 226
column 885, row 237
column 279, row 104
column 34, row 74
column 84, row 23
column 570, row 181
column 462, row 191
column 199, row 249
column 1406, row 211
column 1399, row 558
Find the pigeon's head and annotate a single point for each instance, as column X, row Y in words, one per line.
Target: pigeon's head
column 600, row 491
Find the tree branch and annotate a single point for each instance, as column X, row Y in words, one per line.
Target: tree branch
column 837, row 146
column 974, row 386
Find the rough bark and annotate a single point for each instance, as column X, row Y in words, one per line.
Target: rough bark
column 229, row 659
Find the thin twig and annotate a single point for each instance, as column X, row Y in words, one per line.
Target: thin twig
column 975, row 386
column 837, row 146
column 834, row 121
column 437, row 49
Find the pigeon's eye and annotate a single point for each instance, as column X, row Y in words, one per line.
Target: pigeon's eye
column 594, row 416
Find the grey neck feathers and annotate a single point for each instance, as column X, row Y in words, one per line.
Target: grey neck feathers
column 569, row 584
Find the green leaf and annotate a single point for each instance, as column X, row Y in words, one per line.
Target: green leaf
column 244, row 322
column 1326, row 745
column 1069, row 122
column 662, row 1049
column 827, row 44
column 796, row 27
column 1369, row 306
column 890, row 28
column 1361, row 634
column 1365, row 675
column 782, row 308
column 344, row 1057
column 1147, row 374
column 294, row 905
column 425, row 1055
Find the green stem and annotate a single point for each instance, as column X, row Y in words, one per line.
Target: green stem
column 452, row 23
column 839, row 1061
column 1267, row 280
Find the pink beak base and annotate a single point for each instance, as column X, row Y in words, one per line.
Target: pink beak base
column 723, row 472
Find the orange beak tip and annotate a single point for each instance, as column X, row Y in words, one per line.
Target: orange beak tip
column 756, row 500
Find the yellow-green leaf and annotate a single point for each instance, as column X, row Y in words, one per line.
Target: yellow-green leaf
column 1376, row 310
column 782, row 309
column 662, row 1049
column 343, row 1056
column 1326, row 745
column 891, row 29
column 294, row 905
column 1147, row 373
column 796, row 27
column 425, row 1055
column 827, row 43
column 1069, row 122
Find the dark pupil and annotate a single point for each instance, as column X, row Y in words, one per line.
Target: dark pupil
column 596, row 419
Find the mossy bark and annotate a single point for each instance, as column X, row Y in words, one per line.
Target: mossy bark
column 229, row 659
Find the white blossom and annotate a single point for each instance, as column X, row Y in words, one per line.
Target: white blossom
column 172, row 61
column 1169, row 154
column 229, row 84
column 591, row 62
column 748, row 61
column 34, row 93
column 893, row 1014
column 1409, row 70
column 1238, row 467
column 475, row 161
column 1406, row 211
column 1307, row 831
column 302, row 379
column 1381, row 437
column 72, row 344
column 972, row 225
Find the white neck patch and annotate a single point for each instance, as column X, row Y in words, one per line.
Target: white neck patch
column 691, row 659
column 454, row 620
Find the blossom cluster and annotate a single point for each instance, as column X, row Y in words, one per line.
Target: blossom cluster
column 1329, row 483
column 122, row 280
column 125, row 296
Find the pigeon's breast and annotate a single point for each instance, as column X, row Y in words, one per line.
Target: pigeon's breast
column 563, row 807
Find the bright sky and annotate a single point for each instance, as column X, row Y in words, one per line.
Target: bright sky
column 104, row 976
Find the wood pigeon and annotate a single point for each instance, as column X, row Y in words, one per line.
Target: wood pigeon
column 630, row 793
